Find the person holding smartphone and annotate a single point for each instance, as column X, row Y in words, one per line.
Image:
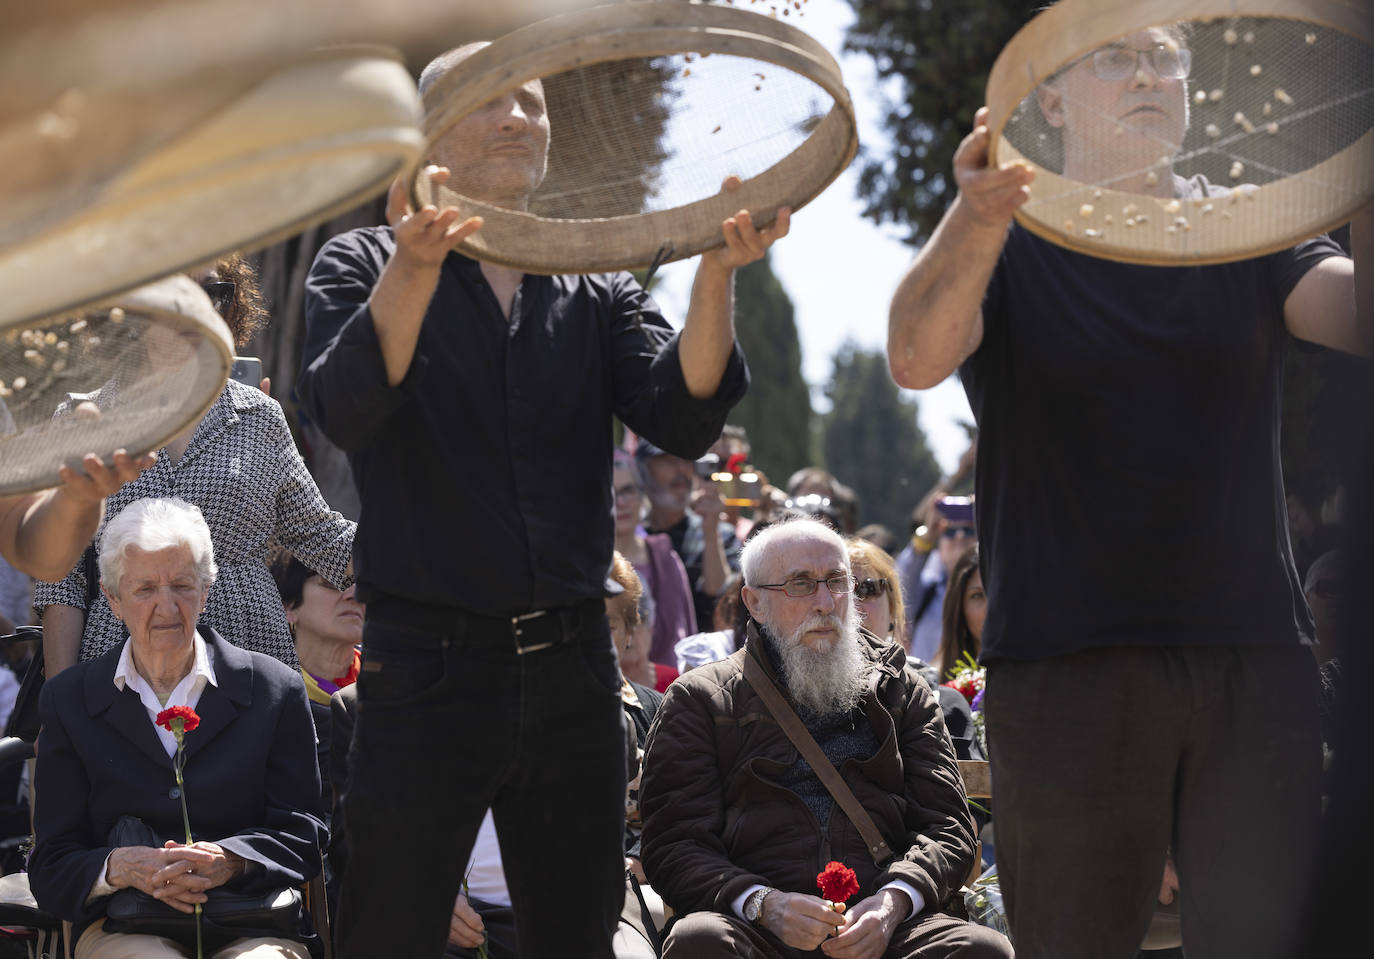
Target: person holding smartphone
column 239, row 464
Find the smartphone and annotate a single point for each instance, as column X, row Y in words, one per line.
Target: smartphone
column 248, row 370
column 739, row 489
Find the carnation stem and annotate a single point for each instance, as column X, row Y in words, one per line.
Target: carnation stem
column 178, row 762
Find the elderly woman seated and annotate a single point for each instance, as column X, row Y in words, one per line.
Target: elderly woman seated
column 252, row 791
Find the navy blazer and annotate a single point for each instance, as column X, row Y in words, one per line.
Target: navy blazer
column 252, row 782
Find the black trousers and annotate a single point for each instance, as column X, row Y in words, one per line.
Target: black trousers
column 1103, row 760
column 453, row 720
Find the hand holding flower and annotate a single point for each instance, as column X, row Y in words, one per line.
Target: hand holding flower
column 869, row 926
column 837, row 883
column 798, row 920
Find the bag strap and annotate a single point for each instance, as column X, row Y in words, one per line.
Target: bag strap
column 92, row 579
column 645, row 914
column 825, row 770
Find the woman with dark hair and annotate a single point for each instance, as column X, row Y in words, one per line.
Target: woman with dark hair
column 326, row 626
column 966, row 605
column 240, row 466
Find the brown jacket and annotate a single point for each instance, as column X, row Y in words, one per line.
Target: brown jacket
column 717, row 822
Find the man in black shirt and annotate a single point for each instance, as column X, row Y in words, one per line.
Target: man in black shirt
column 475, row 405
column 1133, row 534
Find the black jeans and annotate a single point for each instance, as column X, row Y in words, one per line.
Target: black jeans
column 451, row 721
column 1103, row 760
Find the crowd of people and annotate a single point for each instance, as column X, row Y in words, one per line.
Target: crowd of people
column 555, row 697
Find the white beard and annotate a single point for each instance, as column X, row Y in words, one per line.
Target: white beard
column 828, row 680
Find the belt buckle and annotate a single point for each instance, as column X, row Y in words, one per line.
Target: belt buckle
column 517, row 630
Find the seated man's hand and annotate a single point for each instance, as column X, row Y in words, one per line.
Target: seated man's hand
column 800, row 921
column 424, row 237
column 868, row 927
column 465, row 928
column 744, row 243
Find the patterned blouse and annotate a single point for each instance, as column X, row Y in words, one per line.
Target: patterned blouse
column 243, row 470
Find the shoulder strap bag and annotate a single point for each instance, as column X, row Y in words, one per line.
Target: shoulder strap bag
column 825, row 770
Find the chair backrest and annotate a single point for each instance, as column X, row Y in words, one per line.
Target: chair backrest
column 977, row 776
column 318, row 907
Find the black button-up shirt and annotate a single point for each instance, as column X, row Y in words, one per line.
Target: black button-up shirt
column 485, row 475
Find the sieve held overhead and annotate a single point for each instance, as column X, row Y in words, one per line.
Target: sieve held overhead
column 647, row 109
column 1168, row 132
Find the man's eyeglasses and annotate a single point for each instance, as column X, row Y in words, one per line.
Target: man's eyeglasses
column 1118, row 63
column 221, row 295
column 806, row 586
column 951, row 532
column 868, row 588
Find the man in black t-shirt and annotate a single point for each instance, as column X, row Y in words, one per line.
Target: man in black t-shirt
column 1148, row 682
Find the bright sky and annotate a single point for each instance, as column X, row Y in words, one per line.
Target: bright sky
column 838, row 267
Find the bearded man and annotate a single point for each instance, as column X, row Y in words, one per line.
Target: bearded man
column 736, row 823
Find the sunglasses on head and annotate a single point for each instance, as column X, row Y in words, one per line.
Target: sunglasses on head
column 868, row 588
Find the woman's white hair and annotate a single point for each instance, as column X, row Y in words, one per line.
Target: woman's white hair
column 152, row 525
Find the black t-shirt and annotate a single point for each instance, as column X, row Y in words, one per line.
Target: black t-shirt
column 1129, row 488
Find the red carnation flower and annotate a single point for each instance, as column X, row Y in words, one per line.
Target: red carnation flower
column 837, row 882
column 734, row 463
column 964, row 687
column 190, row 720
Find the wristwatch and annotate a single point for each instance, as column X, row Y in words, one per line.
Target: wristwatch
column 753, row 906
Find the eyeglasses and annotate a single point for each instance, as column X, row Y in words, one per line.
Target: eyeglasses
column 951, row 532
column 221, row 295
column 1118, row 63
column 868, row 588
column 806, row 586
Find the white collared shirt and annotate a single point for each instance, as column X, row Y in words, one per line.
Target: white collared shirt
column 186, row 693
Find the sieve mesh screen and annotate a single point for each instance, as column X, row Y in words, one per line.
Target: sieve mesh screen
column 98, row 381
column 1198, row 140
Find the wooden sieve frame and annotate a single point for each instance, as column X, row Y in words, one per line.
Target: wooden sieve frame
column 1073, row 28
column 176, row 301
column 356, row 100
column 536, row 244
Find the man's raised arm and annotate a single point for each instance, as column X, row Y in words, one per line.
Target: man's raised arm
column 1333, row 304
column 401, row 298
column 43, row 534
column 935, row 321
column 708, row 335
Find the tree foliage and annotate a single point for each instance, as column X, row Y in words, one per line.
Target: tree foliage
column 872, row 442
column 940, row 54
column 776, row 412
